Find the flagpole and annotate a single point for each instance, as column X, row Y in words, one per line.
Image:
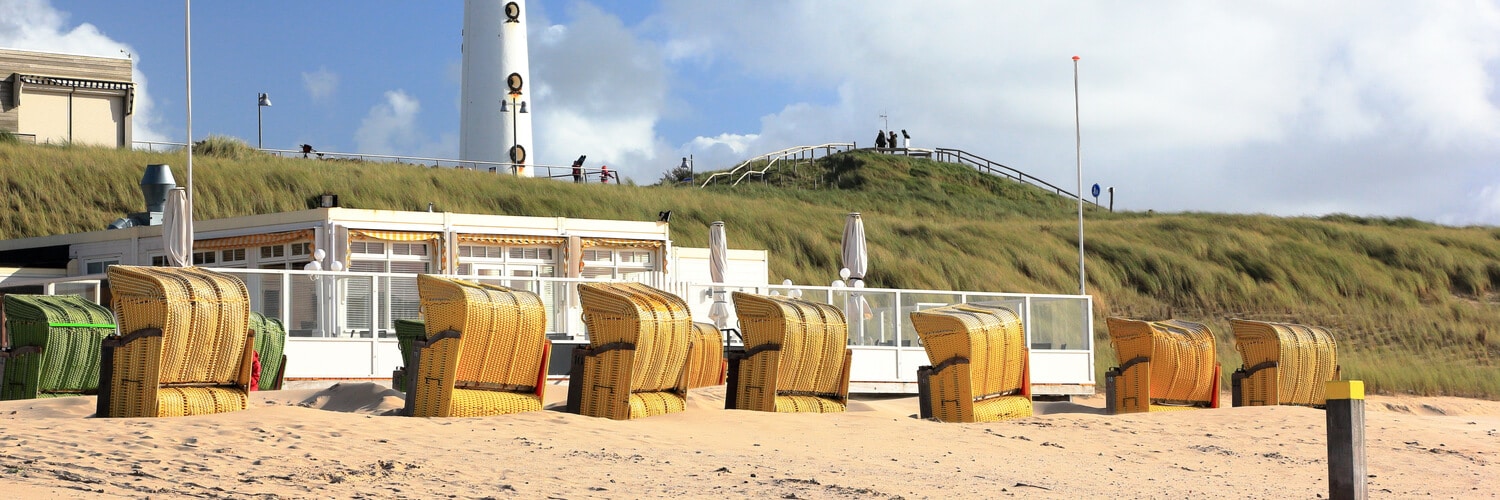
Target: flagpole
column 188, row 44
column 1078, row 152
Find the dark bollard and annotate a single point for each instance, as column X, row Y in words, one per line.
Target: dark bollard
column 1346, row 440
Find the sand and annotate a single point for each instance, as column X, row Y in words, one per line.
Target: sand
column 344, row 441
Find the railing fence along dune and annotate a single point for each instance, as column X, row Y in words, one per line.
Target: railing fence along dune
column 346, row 321
column 797, row 154
column 550, row 171
column 776, row 159
column 773, row 160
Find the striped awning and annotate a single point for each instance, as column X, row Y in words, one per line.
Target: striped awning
column 511, row 239
column 620, row 243
column 372, row 235
column 434, row 239
column 254, row 240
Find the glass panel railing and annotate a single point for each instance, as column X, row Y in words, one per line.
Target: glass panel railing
column 1060, row 323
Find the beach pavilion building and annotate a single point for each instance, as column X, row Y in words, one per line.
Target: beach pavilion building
column 340, row 319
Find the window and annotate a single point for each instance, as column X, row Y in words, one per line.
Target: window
column 232, row 258
column 273, row 251
column 100, row 266
column 375, row 303
column 201, row 258
column 493, row 263
column 159, row 260
column 622, row 264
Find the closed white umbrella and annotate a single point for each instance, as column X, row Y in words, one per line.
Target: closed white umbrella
column 718, row 260
column 856, row 261
column 855, row 257
column 177, row 228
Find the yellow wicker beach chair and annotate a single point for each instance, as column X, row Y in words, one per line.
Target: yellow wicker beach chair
column 796, row 357
column 1284, row 363
column 705, row 356
column 185, row 349
column 636, row 362
column 486, row 351
column 980, row 364
column 1164, row 365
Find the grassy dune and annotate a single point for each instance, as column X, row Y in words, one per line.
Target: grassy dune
column 1413, row 304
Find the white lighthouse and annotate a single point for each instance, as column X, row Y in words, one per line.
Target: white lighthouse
column 495, row 118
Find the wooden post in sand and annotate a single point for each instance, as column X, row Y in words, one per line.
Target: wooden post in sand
column 1346, row 440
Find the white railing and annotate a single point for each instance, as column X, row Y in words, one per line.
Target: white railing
column 346, row 321
column 543, row 170
column 771, row 159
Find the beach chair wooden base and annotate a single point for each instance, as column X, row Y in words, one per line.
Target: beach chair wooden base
column 1124, row 385
column 749, row 395
column 432, row 393
column 617, row 402
column 128, row 360
column 952, row 399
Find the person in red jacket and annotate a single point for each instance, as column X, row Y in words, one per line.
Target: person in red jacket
column 604, row 174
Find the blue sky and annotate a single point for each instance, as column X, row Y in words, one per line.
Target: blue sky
column 1286, row 108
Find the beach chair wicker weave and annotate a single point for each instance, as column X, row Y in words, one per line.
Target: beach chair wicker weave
column 980, row 364
column 485, row 351
column 1285, row 363
column 270, row 343
column 185, row 345
column 705, row 356
column 636, row 362
column 796, row 356
column 1164, row 366
column 408, row 332
column 54, row 346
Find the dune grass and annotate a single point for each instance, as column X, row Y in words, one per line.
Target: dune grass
column 1413, row 304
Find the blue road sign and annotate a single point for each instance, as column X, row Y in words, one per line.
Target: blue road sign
column 1096, row 190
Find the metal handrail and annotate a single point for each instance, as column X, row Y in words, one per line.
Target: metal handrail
column 494, row 167
column 772, row 157
column 995, row 168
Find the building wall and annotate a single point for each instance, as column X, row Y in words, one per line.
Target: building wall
column 69, row 112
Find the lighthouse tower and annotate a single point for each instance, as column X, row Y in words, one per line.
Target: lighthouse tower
column 495, row 117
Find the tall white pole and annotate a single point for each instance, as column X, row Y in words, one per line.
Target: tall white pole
column 188, row 43
column 1078, row 151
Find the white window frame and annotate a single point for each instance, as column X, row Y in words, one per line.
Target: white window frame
column 383, row 291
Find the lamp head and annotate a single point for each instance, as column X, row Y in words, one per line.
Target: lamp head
column 265, row 100
column 523, row 106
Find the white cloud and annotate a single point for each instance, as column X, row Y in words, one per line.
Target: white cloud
column 600, row 91
column 36, row 25
column 320, row 84
column 391, row 128
column 1385, row 108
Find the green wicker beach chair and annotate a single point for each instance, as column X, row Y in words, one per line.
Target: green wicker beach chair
column 270, row 343
column 1285, row 364
column 1164, row 366
column 980, row 364
column 54, row 347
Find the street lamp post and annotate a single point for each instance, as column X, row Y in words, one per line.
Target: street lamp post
column 1078, row 152
column 517, row 154
column 264, row 102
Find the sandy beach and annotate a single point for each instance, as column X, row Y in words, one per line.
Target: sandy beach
column 344, row 441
